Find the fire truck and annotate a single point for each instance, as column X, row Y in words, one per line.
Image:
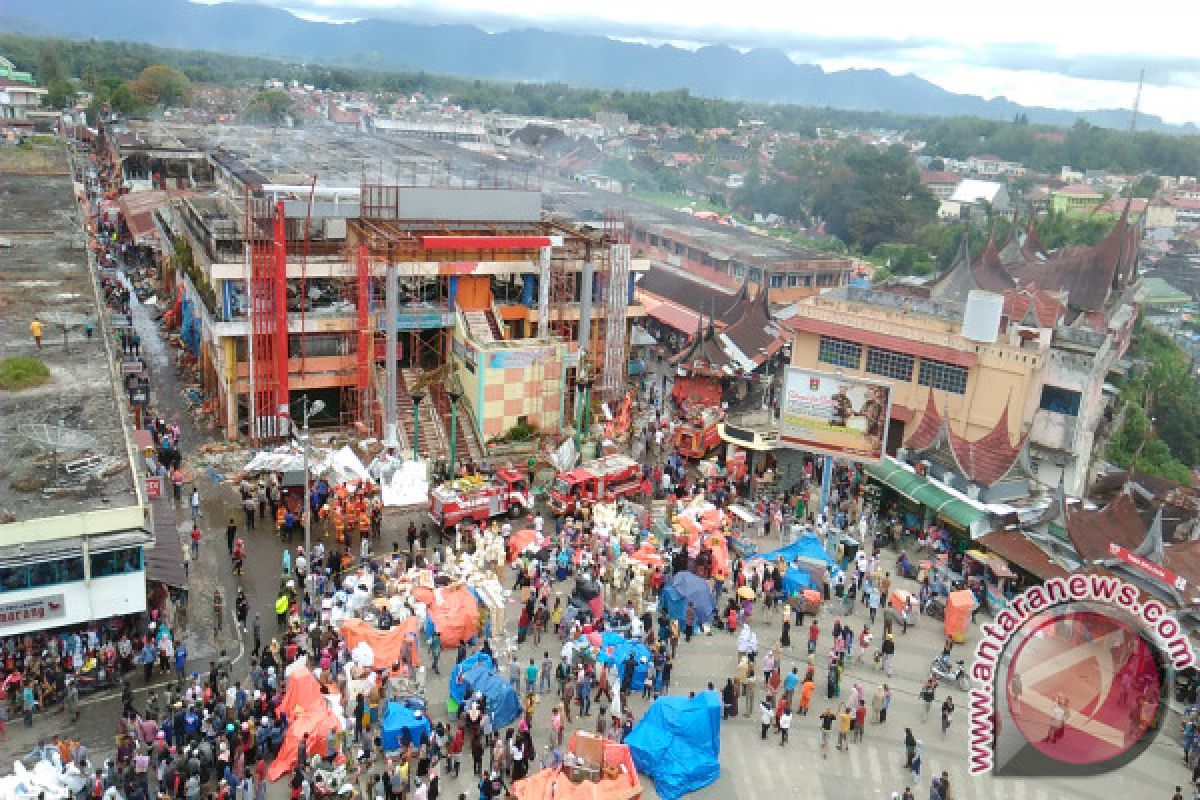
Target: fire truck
column 601, row 480
column 480, row 498
column 696, row 436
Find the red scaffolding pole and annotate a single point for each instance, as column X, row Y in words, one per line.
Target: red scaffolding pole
column 267, row 235
column 365, row 338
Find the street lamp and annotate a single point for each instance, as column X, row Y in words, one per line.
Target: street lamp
column 455, row 397
column 315, row 407
column 583, row 385
column 417, row 397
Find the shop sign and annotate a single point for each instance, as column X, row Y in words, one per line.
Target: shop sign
column 831, row 413
column 154, row 487
column 49, row 607
column 504, row 359
column 1161, row 574
column 131, row 367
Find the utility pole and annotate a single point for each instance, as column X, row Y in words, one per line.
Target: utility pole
column 309, row 408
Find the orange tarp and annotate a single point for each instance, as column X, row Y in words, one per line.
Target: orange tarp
column 720, row 556
column 387, row 645
column 958, row 612
column 898, row 599
column 308, row 716
column 553, row 784
column 455, row 614
column 313, row 725
column 649, row 555
column 519, row 540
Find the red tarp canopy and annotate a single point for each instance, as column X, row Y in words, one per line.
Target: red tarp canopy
column 308, row 717
column 387, row 645
column 519, row 540
column 553, row 784
column 455, row 614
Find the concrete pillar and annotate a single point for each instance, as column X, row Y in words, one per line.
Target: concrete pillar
column 586, row 280
column 544, row 293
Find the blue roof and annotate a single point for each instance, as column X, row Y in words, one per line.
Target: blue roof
column 677, row 742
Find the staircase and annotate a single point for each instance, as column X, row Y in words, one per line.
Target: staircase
column 433, row 444
column 467, row 444
column 481, row 326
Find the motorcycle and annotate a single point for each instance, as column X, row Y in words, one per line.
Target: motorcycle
column 945, row 672
column 936, row 608
column 332, row 783
column 95, row 676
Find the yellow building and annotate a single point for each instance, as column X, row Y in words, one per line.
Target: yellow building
column 918, row 346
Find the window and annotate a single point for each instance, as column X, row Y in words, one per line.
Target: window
column 116, row 562
column 41, row 573
column 839, row 352
column 777, row 281
column 889, row 364
column 1060, row 400
column 943, row 376
column 793, row 280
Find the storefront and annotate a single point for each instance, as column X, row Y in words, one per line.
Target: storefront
column 931, row 501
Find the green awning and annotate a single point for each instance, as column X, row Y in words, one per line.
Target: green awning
column 926, row 492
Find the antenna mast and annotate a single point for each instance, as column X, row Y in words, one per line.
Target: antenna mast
column 1137, row 101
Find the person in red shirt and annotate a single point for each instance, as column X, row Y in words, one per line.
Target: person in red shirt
column 814, row 633
column 860, row 720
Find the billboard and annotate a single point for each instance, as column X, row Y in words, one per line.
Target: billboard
column 837, row 414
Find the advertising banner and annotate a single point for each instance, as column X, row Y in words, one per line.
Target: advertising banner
column 49, row 607
column 844, row 416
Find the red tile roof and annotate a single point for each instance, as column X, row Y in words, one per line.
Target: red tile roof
column 934, row 176
column 987, row 459
column 1015, row 547
column 1091, row 532
column 925, row 434
column 1047, row 309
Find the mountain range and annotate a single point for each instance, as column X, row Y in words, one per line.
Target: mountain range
column 525, row 54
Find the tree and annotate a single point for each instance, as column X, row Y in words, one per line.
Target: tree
column 60, row 93
column 1147, row 186
column 50, row 67
column 270, row 106
column 160, row 85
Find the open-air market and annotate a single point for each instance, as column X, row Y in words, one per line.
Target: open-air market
column 387, row 487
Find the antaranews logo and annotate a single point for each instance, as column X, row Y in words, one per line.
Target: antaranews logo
column 1072, row 678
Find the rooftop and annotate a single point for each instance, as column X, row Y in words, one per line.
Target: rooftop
column 44, row 271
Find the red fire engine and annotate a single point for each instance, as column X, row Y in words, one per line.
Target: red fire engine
column 696, row 436
column 480, row 499
column 601, row 480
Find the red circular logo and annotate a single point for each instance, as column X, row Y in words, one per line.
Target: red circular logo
column 1083, row 687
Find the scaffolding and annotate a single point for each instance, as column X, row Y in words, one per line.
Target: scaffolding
column 365, row 355
column 266, row 254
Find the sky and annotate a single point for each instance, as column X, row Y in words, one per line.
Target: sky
column 1059, row 54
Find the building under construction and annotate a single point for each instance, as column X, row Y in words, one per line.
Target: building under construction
column 393, row 301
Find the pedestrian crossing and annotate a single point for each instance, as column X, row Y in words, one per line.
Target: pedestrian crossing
column 874, row 768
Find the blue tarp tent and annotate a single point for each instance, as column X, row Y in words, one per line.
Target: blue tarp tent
column 478, row 673
column 677, row 742
column 615, row 649
column 684, row 588
column 807, row 546
column 398, row 717
column 796, row 580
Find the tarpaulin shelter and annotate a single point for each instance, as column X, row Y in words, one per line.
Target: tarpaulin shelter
column 398, row 717
column 796, row 580
column 677, row 742
column 386, row 645
column 303, row 694
column 616, row 649
column 520, row 540
column 959, row 606
column 809, row 547
column 455, row 613
column 684, row 588
column 899, row 598
column 618, row 779
column 309, row 717
column 648, row 554
column 478, row 674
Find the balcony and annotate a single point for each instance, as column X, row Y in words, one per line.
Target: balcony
column 753, row 430
column 1054, row 430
